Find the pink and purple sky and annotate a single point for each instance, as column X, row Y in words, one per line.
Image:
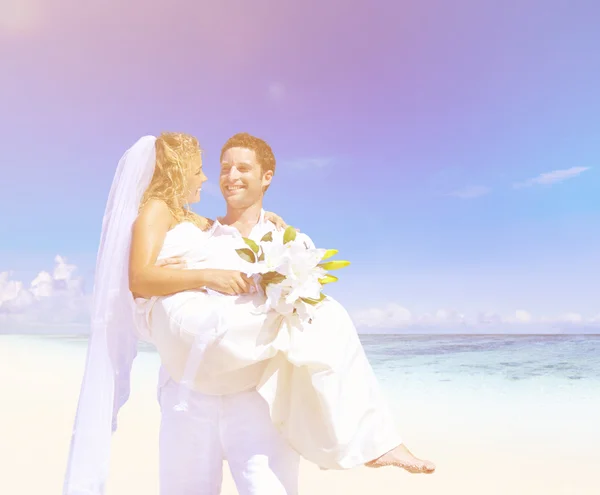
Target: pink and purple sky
column 448, row 149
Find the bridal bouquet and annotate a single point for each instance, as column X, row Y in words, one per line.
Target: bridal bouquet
column 291, row 273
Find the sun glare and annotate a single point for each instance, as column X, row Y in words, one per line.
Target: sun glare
column 18, row 16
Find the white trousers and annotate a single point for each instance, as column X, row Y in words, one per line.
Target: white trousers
column 236, row 428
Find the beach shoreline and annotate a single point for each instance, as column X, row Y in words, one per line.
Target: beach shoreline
column 488, row 437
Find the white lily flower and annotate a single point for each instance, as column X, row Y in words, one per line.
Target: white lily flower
column 298, row 264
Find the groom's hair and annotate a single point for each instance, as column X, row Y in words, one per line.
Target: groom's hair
column 264, row 153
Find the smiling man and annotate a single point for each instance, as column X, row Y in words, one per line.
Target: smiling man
column 233, row 426
column 260, row 402
column 247, row 168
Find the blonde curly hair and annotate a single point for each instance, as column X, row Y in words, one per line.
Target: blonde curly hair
column 176, row 152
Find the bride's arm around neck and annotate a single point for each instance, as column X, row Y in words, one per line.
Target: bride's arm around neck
column 148, row 235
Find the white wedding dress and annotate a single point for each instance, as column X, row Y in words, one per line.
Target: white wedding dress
column 321, row 390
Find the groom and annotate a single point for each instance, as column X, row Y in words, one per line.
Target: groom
column 237, row 427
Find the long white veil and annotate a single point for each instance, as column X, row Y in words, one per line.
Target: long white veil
column 113, row 343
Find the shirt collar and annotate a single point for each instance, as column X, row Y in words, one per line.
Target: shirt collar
column 220, row 229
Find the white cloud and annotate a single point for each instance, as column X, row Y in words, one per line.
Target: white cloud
column 51, row 301
column 276, row 91
column 488, row 318
column 55, row 302
column 471, row 192
column 450, row 316
column 314, row 162
column 393, row 317
column 571, row 318
column 523, row 316
column 552, row 177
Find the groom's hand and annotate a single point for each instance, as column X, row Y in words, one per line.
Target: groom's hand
column 176, row 262
column 277, row 220
column 230, row 282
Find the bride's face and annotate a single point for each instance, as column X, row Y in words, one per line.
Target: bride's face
column 196, row 178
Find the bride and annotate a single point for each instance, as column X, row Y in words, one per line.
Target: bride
column 322, row 395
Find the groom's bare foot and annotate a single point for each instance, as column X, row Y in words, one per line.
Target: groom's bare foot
column 403, row 458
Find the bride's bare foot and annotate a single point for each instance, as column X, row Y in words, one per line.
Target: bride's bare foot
column 402, row 457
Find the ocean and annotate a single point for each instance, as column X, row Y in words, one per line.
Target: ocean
column 507, row 357
column 447, row 358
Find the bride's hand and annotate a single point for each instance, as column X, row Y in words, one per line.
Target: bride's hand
column 176, row 262
column 277, row 220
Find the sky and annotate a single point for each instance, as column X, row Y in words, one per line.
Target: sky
column 449, row 150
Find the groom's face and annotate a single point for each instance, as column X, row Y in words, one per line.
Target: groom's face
column 242, row 180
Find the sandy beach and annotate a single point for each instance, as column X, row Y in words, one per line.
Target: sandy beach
column 484, row 441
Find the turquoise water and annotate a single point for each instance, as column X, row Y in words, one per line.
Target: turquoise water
column 446, row 358
column 511, row 358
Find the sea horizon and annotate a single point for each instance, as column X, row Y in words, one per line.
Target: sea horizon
column 439, row 356
column 593, row 332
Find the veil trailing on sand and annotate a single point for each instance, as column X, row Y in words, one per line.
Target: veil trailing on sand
column 113, row 343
